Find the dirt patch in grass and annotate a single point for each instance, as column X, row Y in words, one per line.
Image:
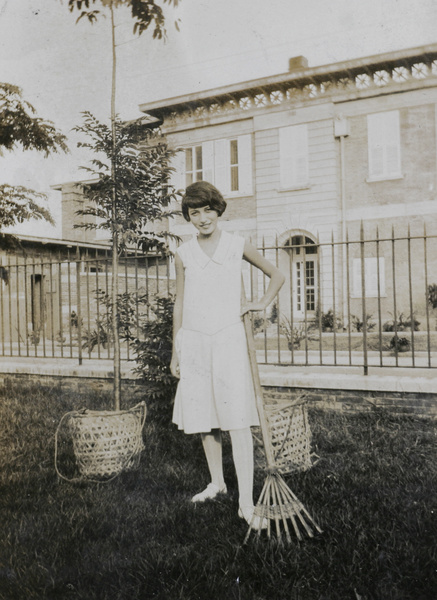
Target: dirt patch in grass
column 139, row 537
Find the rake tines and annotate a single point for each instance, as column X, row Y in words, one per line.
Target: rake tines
column 277, row 503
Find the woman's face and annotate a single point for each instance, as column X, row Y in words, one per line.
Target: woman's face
column 204, row 219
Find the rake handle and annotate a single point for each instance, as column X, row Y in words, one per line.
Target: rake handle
column 265, row 432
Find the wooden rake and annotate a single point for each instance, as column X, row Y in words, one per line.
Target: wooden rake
column 277, row 502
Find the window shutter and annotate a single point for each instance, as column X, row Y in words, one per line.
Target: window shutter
column 384, row 144
column 245, row 164
column 208, row 161
column 177, row 177
column 375, row 140
column 222, row 166
column 371, row 277
column 285, row 157
column 393, row 143
column 301, row 154
column 356, row 277
column 293, row 156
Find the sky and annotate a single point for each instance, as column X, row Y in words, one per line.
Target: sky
column 64, row 67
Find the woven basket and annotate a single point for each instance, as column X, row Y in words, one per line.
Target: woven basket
column 290, row 436
column 107, row 442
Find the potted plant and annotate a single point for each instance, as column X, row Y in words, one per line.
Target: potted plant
column 34, row 336
column 399, row 344
column 294, row 334
column 358, row 323
column 326, row 321
column 100, row 335
column 432, row 297
column 130, row 191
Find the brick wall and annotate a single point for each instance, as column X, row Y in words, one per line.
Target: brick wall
column 418, row 404
column 79, row 385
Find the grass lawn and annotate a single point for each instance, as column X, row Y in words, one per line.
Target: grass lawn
column 373, row 492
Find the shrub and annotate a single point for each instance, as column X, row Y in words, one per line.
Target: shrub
column 102, row 332
column 399, row 344
column 327, row 319
column 101, row 335
column 402, row 323
column 258, row 323
column 34, row 336
column 432, row 295
column 295, row 335
column 153, row 350
column 274, row 313
column 358, row 325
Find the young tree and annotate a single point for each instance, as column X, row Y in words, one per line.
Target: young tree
column 145, row 13
column 20, row 128
column 142, row 193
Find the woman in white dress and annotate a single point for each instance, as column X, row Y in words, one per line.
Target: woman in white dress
column 210, row 358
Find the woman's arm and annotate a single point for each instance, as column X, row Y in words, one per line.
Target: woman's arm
column 277, row 278
column 177, row 312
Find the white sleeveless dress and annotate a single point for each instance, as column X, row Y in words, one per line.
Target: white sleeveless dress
column 215, row 389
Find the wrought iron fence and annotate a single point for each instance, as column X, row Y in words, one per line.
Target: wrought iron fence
column 60, row 308
column 322, row 317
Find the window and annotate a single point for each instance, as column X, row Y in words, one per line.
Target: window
column 293, row 156
column 308, row 286
column 299, row 247
column 234, row 165
column 226, row 163
column 90, row 267
column 193, row 165
column 370, row 275
column 384, row 145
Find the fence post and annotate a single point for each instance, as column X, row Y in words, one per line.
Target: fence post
column 427, row 299
column 410, row 294
column 346, row 285
column 79, row 312
column 363, row 294
column 378, row 274
column 395, row 315
column 3, row 276
column 334, row 312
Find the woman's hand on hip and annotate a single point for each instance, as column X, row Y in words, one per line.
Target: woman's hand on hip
column 252, row 307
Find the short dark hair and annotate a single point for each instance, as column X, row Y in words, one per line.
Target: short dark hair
column 202, row 193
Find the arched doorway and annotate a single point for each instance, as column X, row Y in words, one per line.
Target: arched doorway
column 300, row 265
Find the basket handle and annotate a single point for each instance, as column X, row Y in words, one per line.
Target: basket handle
column 143, row 413
column 142, row 406
column 58, row 429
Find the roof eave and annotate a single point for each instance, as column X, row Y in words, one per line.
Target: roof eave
column 156, row 108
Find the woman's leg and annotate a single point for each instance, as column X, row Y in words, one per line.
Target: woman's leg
column 212, row 445
column 242, row 452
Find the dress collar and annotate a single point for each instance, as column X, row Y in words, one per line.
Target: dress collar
column 220, row 252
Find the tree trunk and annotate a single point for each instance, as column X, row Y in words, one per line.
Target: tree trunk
column 115, row 261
